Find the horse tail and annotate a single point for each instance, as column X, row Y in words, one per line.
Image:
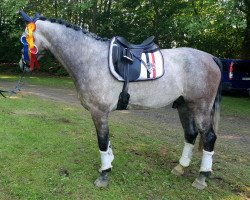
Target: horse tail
column 216, row 106
column 215, row 114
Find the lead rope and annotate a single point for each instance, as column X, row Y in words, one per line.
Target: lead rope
column 16, row 89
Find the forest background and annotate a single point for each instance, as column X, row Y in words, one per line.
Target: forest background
column 220, row 27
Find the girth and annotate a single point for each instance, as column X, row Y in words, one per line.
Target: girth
column 127, row 58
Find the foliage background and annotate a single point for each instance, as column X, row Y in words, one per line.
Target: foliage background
column 220, row 27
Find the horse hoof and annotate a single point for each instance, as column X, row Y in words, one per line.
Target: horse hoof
column 178, row 170
column 101, row 182
column 200, row 185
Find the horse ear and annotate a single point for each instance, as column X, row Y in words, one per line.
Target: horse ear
column 26, row 17
column 37, row 16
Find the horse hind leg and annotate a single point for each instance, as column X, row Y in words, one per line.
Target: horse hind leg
column 190, row 134
column 206, row 129
column 100, row 120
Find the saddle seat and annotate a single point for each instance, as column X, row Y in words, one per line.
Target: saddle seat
column 148, row 43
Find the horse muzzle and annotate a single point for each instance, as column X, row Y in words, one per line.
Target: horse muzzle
column 24, row 65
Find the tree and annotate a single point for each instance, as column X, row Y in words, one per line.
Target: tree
column 10, row 29
column 220, row 27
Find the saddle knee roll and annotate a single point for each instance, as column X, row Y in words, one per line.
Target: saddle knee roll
column 115, row 53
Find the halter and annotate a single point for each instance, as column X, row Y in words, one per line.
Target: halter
column 30, row 50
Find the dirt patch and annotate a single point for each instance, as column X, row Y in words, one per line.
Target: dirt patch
column 57, row 94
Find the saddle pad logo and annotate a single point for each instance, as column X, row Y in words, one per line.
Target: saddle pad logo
column 155, row 63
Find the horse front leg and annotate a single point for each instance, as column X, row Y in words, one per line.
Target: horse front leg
column 100, row 120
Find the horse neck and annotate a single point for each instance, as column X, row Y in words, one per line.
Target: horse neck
column 73, row 49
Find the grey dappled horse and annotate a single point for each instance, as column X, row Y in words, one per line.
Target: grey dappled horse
column 191, row 82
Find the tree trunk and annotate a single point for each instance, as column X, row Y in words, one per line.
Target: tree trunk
column 246, row 43
column 94, row 25
column 56, row 9
column 109, row 7
column 1, row 16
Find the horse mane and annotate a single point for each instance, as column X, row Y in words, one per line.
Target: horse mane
column 74, row 27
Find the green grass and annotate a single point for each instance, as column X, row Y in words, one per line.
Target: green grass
column 42, row 141
column 235, row 106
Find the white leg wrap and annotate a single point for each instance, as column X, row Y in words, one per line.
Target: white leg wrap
column 207, row 161
column 187, row 154
column 106, row 158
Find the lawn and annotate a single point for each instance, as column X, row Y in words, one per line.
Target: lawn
column 50, row 81
column 48, row 150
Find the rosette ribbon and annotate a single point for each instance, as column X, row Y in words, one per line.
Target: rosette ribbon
column 30, row 50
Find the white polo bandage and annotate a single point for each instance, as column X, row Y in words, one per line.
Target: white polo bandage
column 207, row 161
column 187, row 154
column 106, row 158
